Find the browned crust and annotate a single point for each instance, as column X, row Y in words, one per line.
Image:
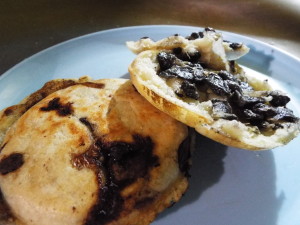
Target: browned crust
column 9, row 115
column 166, row 199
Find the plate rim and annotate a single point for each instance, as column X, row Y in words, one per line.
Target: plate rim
column 238, row 35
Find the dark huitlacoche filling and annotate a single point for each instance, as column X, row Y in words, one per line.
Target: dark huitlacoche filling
column 232, row 97
column 222, row 109
column 235, row 45
column 117, row 164
column 278, row 99
column 197, row 35
column 200, row 34
column 188, row 89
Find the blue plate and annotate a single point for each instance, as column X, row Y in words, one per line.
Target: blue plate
column 227, row 185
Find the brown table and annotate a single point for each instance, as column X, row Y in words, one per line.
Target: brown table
column 27, row 27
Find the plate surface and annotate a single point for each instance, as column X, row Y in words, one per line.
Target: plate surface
column 227, row 185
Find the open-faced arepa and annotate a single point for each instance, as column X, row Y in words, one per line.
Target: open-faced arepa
column 196, row 80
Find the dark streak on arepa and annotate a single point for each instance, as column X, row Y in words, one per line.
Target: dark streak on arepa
column 93, row 85
column 2, row 147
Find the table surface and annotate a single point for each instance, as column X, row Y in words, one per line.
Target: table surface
column 28, row 27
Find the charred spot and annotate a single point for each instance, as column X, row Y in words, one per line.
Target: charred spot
column 11, row 163
column 61, row 109
column 93, row 85
column 144, row 202
column 43, row 94
column 8, row 111
column 116, row 164
column 46, row 90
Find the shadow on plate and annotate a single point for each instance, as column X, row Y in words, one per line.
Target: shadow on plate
column 227, row 186
column 125, row 76
column 207, row 169
column 258, row 60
